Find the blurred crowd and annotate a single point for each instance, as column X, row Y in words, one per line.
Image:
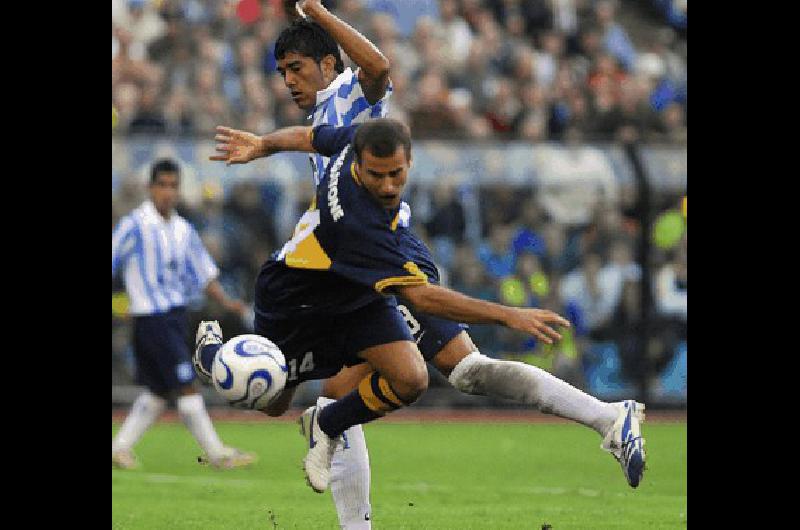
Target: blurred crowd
column 525, row 69
column 538, row 70
column 588, row 272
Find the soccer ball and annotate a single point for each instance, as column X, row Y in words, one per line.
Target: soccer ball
column 249, row 371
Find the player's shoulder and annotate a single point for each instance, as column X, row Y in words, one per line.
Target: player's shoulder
column 344, row 82
column 184, row 224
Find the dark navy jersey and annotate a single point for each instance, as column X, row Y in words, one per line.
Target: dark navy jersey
column 346, row 250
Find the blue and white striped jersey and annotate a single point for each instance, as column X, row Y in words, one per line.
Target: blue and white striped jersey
column 341, row 104
column 164, row 262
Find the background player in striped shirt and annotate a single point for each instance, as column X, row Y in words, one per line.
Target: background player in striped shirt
column 165, row 265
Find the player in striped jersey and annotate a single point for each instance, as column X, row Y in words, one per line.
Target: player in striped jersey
column 165, row 265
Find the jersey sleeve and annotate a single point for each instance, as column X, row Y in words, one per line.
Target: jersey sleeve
column 123, row 241
column 352, row 105
column 328, row 140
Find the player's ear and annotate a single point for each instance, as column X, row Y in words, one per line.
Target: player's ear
column 328, row 67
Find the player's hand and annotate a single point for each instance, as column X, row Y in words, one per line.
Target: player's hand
column 536, row 322
column 309, row 7
column 237, row 306
column 237, row 147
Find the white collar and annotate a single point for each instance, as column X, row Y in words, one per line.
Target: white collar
column 344, row 77
column 149, row 210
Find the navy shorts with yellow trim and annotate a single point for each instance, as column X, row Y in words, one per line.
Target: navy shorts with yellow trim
column 430, row 333
column 318, row 347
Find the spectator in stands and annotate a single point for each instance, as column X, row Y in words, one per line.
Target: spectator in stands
column 615, row 38
column 594, row 291
column 496, row 254
column 671, row 286
column 447, row 219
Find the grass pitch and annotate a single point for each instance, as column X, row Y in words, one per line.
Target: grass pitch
column 424, row 476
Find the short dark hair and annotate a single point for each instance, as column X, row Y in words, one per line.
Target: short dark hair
column 382, row 136
column 165, row 165
column 309, row 39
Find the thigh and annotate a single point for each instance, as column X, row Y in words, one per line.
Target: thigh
column 162, row 355
column 311, row 346
column 453, row 352
column 345, row 381
column 377, row 323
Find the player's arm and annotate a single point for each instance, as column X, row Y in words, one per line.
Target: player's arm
column 373, row 74
column 123, row 240
column 452, row 305
column 215, row 291
column 205, row 272
column 241, row 147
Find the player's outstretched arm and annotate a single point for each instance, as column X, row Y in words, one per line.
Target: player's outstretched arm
column 241, row 147
column 214, row 290
column 374, row 73
column 452, row 305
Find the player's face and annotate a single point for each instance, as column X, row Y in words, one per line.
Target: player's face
column 303, row 77
column 164, row 192
column 384, row 177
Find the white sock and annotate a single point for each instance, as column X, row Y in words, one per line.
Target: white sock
column 480, row 375
column 194, row 415
column 145, row 410
column 350, row 480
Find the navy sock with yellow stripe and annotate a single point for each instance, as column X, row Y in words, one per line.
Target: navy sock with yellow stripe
column 372, row 399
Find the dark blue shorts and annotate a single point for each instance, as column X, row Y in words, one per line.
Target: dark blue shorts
column 430, row 333
column 163, row 360
column 317, row 347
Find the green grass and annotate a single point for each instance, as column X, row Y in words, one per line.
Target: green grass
column 424, row 476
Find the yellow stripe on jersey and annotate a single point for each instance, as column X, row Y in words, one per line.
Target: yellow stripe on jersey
column 308, row 255
column 417, row 278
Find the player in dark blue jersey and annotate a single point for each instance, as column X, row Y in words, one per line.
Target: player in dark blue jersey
column 368, row 168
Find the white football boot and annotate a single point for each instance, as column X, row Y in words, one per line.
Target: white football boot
column 624, row 441
column 229, row 458
column 208, row 332
column 317, row 463
column 124, row 459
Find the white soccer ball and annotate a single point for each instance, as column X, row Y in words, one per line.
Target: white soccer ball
column 249, row 371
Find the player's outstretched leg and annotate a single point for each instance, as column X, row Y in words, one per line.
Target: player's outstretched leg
column 617, row 423
column 207, row 342
column 192, row 408
column 624, row 441
column 350, row 471
column 317, row 463
column 402, row 377
column 144, row 412
column 193, row 413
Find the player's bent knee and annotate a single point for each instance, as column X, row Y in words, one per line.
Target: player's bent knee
column 466, row 376
column 412, row 385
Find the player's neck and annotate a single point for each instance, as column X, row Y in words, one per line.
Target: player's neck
column 165, row 214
